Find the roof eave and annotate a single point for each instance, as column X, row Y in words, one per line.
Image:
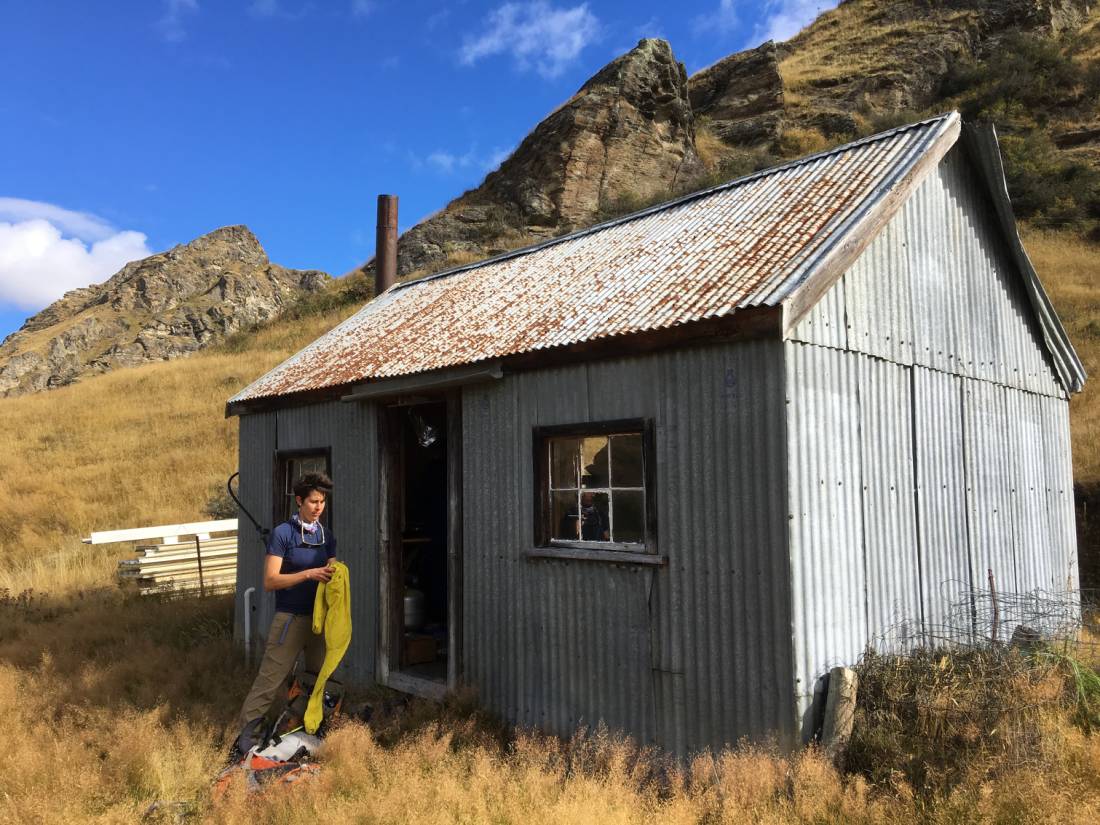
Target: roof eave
column 749, row 323
column 981, row 141
column 851, row 243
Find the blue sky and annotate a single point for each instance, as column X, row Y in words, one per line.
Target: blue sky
column 127, row 127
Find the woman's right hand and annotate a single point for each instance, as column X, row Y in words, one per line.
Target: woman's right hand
column 318, row 574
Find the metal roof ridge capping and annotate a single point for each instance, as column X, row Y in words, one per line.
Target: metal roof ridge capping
column 753, row 241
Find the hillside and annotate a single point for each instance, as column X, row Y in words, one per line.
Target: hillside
column 155, row 309
column 142, row 446
column 640, row 130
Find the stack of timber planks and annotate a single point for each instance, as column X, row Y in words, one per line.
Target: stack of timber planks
column 167, row 568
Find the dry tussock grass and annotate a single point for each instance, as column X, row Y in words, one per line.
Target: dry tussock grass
column 132, row 447
column 710, row 148
column 795, row 142
column 856, row 38
column 110, row 703
column 1068, row 267
column 115, row 703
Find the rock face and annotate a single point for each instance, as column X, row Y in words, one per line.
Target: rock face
column 158, row 308
column 628, row 130
column 627, row 133
column 742, row 95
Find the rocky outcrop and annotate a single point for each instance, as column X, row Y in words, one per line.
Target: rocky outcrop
column 158, row 308
column 627, row 133
column 741, row 96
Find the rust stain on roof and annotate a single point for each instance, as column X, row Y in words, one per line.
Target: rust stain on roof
column 750, row 242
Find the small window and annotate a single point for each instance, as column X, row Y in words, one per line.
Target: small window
column 594, row 487
column 291, row 466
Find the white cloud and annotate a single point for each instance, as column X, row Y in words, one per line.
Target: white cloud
column 447, row 163
column 77, row 224
column 274, row 8
column 46, row 250
column 437, row 19
column 496, row 158
column 362, row 8
column 171, row 22
column 723, row 19
column 536, row 34
column 783, row 19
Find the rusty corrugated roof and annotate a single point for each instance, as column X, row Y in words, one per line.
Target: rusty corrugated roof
column 750, row 242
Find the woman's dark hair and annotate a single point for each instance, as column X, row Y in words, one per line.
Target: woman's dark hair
column 313, row 481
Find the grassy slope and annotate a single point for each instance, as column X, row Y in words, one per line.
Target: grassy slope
column 133, row 447
column 1070, row 269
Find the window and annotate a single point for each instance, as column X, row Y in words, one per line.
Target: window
column 291, row 466
column 595, row 488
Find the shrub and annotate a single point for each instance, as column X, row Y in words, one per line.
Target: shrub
column 796, row 142
column 1028, row 73
column 939, row 717
column 219, row 504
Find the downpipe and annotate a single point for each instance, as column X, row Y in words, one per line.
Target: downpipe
column 249, row 607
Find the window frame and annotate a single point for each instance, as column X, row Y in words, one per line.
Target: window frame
column 278, row 473
column 548, row 547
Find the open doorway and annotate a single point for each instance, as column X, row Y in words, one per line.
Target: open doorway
column 422, row 539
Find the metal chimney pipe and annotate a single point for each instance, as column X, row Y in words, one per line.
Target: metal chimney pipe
column 385, row 250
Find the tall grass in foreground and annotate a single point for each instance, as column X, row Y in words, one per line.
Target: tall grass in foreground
column 134, row 447
column 114, row 703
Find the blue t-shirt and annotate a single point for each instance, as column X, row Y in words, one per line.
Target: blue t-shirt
column 286, row 543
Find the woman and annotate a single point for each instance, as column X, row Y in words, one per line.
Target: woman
column 299, row 555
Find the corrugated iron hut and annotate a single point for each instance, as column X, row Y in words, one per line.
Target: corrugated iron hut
column 666, row 471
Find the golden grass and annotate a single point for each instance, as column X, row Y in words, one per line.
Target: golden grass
column 796, row 141
column 115, row 703
column 133, row 447
column 711, row 149
column 856, row 39
column 1069, row 268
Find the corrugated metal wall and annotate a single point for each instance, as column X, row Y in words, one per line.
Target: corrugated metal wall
column 929, row 437
column 691, row 655
column 828, row 566
column 892, row 555
column 946, row 574
column 256, row 451
column 907, row 486
column 937, row 288
column 350, row 431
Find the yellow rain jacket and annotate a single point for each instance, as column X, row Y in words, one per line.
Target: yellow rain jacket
column 331, row 616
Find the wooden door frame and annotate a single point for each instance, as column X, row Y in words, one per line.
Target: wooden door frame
column 390, row 590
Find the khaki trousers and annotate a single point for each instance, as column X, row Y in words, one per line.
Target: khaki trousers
column 288, row 636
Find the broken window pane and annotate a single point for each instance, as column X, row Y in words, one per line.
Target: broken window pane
column 629, row 516
column 594, row 462
column 626, row 460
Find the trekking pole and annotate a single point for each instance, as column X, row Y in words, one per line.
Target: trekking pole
column 198, row 555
